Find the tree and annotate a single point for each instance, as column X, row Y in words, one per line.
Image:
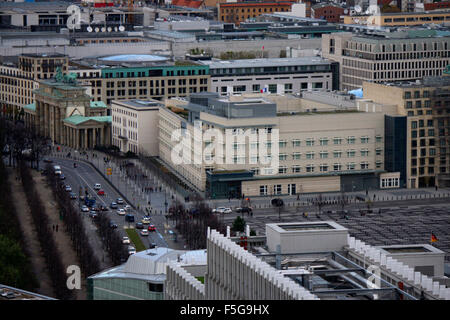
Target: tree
column 238, row 224
column 319, row 202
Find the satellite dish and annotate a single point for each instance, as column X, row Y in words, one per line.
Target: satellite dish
column 109, row 29
column 97, row 29
column 358, row 8
column 115, row 29
column 103, row 29
column 121, row 28
column 346, row 11
column 89, row 29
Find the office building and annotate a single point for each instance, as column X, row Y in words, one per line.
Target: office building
column 135, row 126
column 141, row 77
column 327, row 142
column 424, row 104
column 20, row 76
column 237, row 12
column 309, row 261
column 382, row 56
column 275, row 75
column 398, row 19
column 329, row 11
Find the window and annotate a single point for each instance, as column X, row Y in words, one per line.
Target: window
column 351, row 140
column 365, row 139
column 351, row 166
column 378, row 139
column 364, row 153
column 323, row 154
column 282, row 156
column 351, row 153
column 282, row 144
column 323, row 141
column 364, row 165
column 295, row 169
column 323, row 168
column 378, row 151
column 282, row 169
column 310, row 142
column 296, row 143
column 310, row 155
column 310, row 168
column 296, row 156
column 337, row 167
column 277, row 189
column 337, row 154
column 378, row 164
column 263, row 190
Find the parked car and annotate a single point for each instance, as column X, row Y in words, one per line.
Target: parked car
column 145, row 220
column 103, row 208
column 113, row 205
column 62, row 176
column 84, row 208
column 97, row 186
column 68, row 188
column 93, row 214
column 125, row 240
column 112, row 225
column 73, row 195
column 101, row 192
column 131, row 250
column 152, row 245
column 129, row 218
column 127, row 207
column 47, row 160
column 120, row 212
column 119, row 201
column 139, row 225
column 144, row 232
column 151, row 228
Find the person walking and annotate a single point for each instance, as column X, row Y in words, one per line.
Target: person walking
column 53, row 227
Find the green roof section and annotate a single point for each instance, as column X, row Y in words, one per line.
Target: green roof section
column 78, row 119
column 98, row 104
column 31, row 106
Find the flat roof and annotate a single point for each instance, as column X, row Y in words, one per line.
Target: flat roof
column 139, row 104
column 269, row 62
column 305, row 227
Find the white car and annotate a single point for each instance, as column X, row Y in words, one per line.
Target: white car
column 85, row 208
column 97, row 186
column 126, row 240
column 68, row 188
column 222, row 210
column 144, row 232
column 127, row 207
column 120, row 212
column 131, row 250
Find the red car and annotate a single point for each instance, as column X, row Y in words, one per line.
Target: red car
column 151, row 227
column 101, row 192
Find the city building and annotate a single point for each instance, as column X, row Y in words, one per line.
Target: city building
column 387, row 56
column 64, row 113
column 274, row 75
column 135, row 125
column 397, row 19
column 316, row 260
column 424, row 106
column 329, row 11
column 327, row 142
column 142, row 277
column 237, row 12
column 142, row 77
column 20, row 76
